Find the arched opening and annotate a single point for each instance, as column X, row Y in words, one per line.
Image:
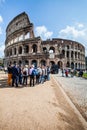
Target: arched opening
column 14, row 62
column 67, row 54
column 52, row 49
column 79, row 66
column 43, row 62
column 34, row 48
column 26, row 62
column 34, row 62
column 44, row 49
column 52, row 63
column 75, row 65
column 20, row 50
column 10, row 52
column 63, row 53
column 72, row 65
column 67, row 46
column 27, row 35
column 20, row 62
column 71, row 54
column 26, row 49
column 60, row 64
column 68, row 64
column 14, row 51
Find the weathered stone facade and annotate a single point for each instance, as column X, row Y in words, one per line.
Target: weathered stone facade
column 22, row 47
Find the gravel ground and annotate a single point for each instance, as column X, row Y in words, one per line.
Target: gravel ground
column 76, row 89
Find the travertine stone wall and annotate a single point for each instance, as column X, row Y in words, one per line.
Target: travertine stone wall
column 22, row 47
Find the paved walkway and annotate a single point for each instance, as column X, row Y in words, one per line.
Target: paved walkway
column 43, row 107
column 76, row 89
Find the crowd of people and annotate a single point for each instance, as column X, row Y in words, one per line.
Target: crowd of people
column 71, row 73
column 20, row 75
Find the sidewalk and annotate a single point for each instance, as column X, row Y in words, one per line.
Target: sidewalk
column 76, row 89
column 43, row 107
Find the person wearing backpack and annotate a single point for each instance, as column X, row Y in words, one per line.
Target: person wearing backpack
column 32, row 75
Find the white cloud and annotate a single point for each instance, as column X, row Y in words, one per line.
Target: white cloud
column 78, row 33
column 43, row 32
column 71, row 31
column 2, row 47
column 80, row 25
column 1, row 19
column 1, row 1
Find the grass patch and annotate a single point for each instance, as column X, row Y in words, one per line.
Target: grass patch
column 85, row 75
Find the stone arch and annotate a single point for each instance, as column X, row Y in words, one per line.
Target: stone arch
column 52, row 63
column 72, row 65
column 60, row 64
column 43, row 62
column 20, row 50
column 67, row 64
column 34, row 48
column 26, row 49
column 14, row 62
column 34, row 62
column 78, row 65
column 44, row 49
column 67, row 46
column 20, row 62
column 72, row 54
column 26, row 62
column 67, row 54
column 14, row 51
column 52, row 48
column 63, row 53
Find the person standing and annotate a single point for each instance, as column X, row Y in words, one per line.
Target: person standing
column 15, row 75
column 9, row 69
column 31, row 75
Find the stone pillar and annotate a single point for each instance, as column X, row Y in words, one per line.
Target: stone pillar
column 12, row 51
column 47, row 62
column 22, row 50
column 38, row 62
column 30, row 48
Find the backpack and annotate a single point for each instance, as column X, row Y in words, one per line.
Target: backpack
column 33, row 72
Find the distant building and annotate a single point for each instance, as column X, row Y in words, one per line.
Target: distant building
column 1, row 61
column 22, row 47
column 86, row 62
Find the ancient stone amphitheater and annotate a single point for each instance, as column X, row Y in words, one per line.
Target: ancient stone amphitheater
column 22, row 47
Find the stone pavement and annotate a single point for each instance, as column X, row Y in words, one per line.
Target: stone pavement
column 76, row 89
column 43, row 107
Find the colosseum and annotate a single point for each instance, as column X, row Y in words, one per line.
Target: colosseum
column 22, row 47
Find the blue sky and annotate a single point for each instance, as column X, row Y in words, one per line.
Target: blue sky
column 51, row 18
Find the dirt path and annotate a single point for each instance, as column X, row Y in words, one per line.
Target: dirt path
column 43, row 107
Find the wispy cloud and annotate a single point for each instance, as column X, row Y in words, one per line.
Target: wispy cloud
column 76, row 32
column 1, row 19
column 1, row 1
column 43, row 32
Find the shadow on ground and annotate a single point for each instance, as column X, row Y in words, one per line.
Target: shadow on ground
column 4, row 84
